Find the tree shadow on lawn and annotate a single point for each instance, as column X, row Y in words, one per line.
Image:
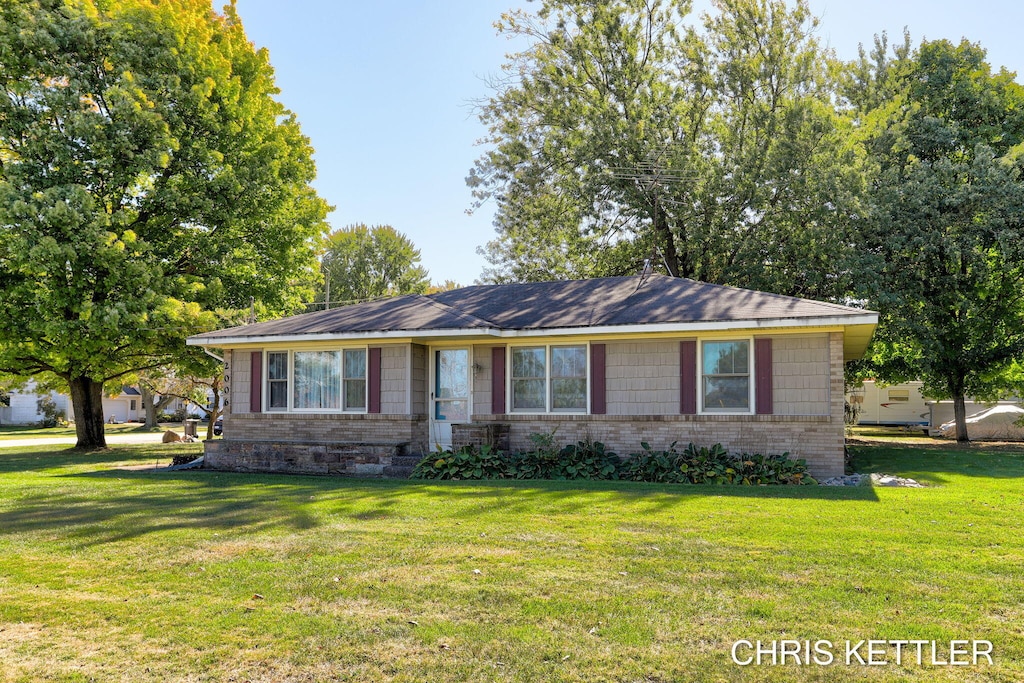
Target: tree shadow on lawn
column 143, row 502
column 37, row 458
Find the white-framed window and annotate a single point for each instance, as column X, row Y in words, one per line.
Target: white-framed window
column 277, row 380
column 354, row 380
column 328, row 380
column 549, row 378
column 726, row 378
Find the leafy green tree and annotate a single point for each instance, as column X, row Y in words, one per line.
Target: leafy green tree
column 361, row 262
column 148, row 182
column 623, row 136
column 947, row 238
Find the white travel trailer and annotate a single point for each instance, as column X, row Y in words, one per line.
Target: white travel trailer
column 893, row 404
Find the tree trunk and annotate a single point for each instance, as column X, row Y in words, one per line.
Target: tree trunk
column 154, row 405
column 147, row 400
column 87, row 400
column 960, row 416
column 216, row 409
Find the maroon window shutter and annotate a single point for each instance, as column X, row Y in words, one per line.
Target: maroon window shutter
column 373, row 380
column 497, row 380
column 763, row 375
column 256, row 382
column 598, row 402
column 688, row 377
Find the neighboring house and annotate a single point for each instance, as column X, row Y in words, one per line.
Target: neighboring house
column 125, row 407
column 24, row 402
column 619, row 360
column 893, row 404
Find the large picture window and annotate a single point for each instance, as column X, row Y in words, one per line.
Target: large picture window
column 316, row 380
column 317, row 383
column 726, row 376
column 549, row 379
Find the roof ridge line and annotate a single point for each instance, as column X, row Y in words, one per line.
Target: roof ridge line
column 448, row 308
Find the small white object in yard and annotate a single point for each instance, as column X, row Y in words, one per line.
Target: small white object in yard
column 623, row 574
column 477, row 571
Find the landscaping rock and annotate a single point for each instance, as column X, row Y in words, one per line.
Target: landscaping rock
column 873, row 479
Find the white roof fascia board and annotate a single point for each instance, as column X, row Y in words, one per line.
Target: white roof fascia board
column 334, row 336
column 709, row 326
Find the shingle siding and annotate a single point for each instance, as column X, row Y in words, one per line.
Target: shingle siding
column 642, row 377
column 419, row 379
column 393, row 379
column 240, row 381
column 481, row 378
column 800, row 374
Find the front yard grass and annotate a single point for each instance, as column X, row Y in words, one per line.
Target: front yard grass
column 135, row 575
column 13, row 432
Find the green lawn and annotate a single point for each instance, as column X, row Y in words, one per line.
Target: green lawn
column 9, row 432
column 130, row 575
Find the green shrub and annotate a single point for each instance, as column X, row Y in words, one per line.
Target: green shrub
column 655, row 466
column 772, row 469
column 468, row 462
column 590, row 460
column 714, row 465
column 540, row 462
column 582, row 460
column 52, row 415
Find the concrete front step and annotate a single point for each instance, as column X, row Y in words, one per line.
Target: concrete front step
column 398, row 471
column 405, row 460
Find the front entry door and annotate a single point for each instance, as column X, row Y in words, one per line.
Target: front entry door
column 450, row 394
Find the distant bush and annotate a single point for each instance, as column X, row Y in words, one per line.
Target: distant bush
column 590, row 460
column 52, row 415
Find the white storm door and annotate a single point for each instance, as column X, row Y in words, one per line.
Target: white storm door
column 449, row 394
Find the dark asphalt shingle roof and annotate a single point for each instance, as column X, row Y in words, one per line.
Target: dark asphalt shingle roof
column 609, row 301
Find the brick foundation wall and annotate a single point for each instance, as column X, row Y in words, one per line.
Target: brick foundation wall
column 353, row 445
column 817, row 439
column 327, row 428
column 350, row 459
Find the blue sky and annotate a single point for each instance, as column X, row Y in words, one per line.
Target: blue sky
column 384, row 90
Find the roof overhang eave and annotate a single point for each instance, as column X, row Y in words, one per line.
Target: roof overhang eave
column 864, row 323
